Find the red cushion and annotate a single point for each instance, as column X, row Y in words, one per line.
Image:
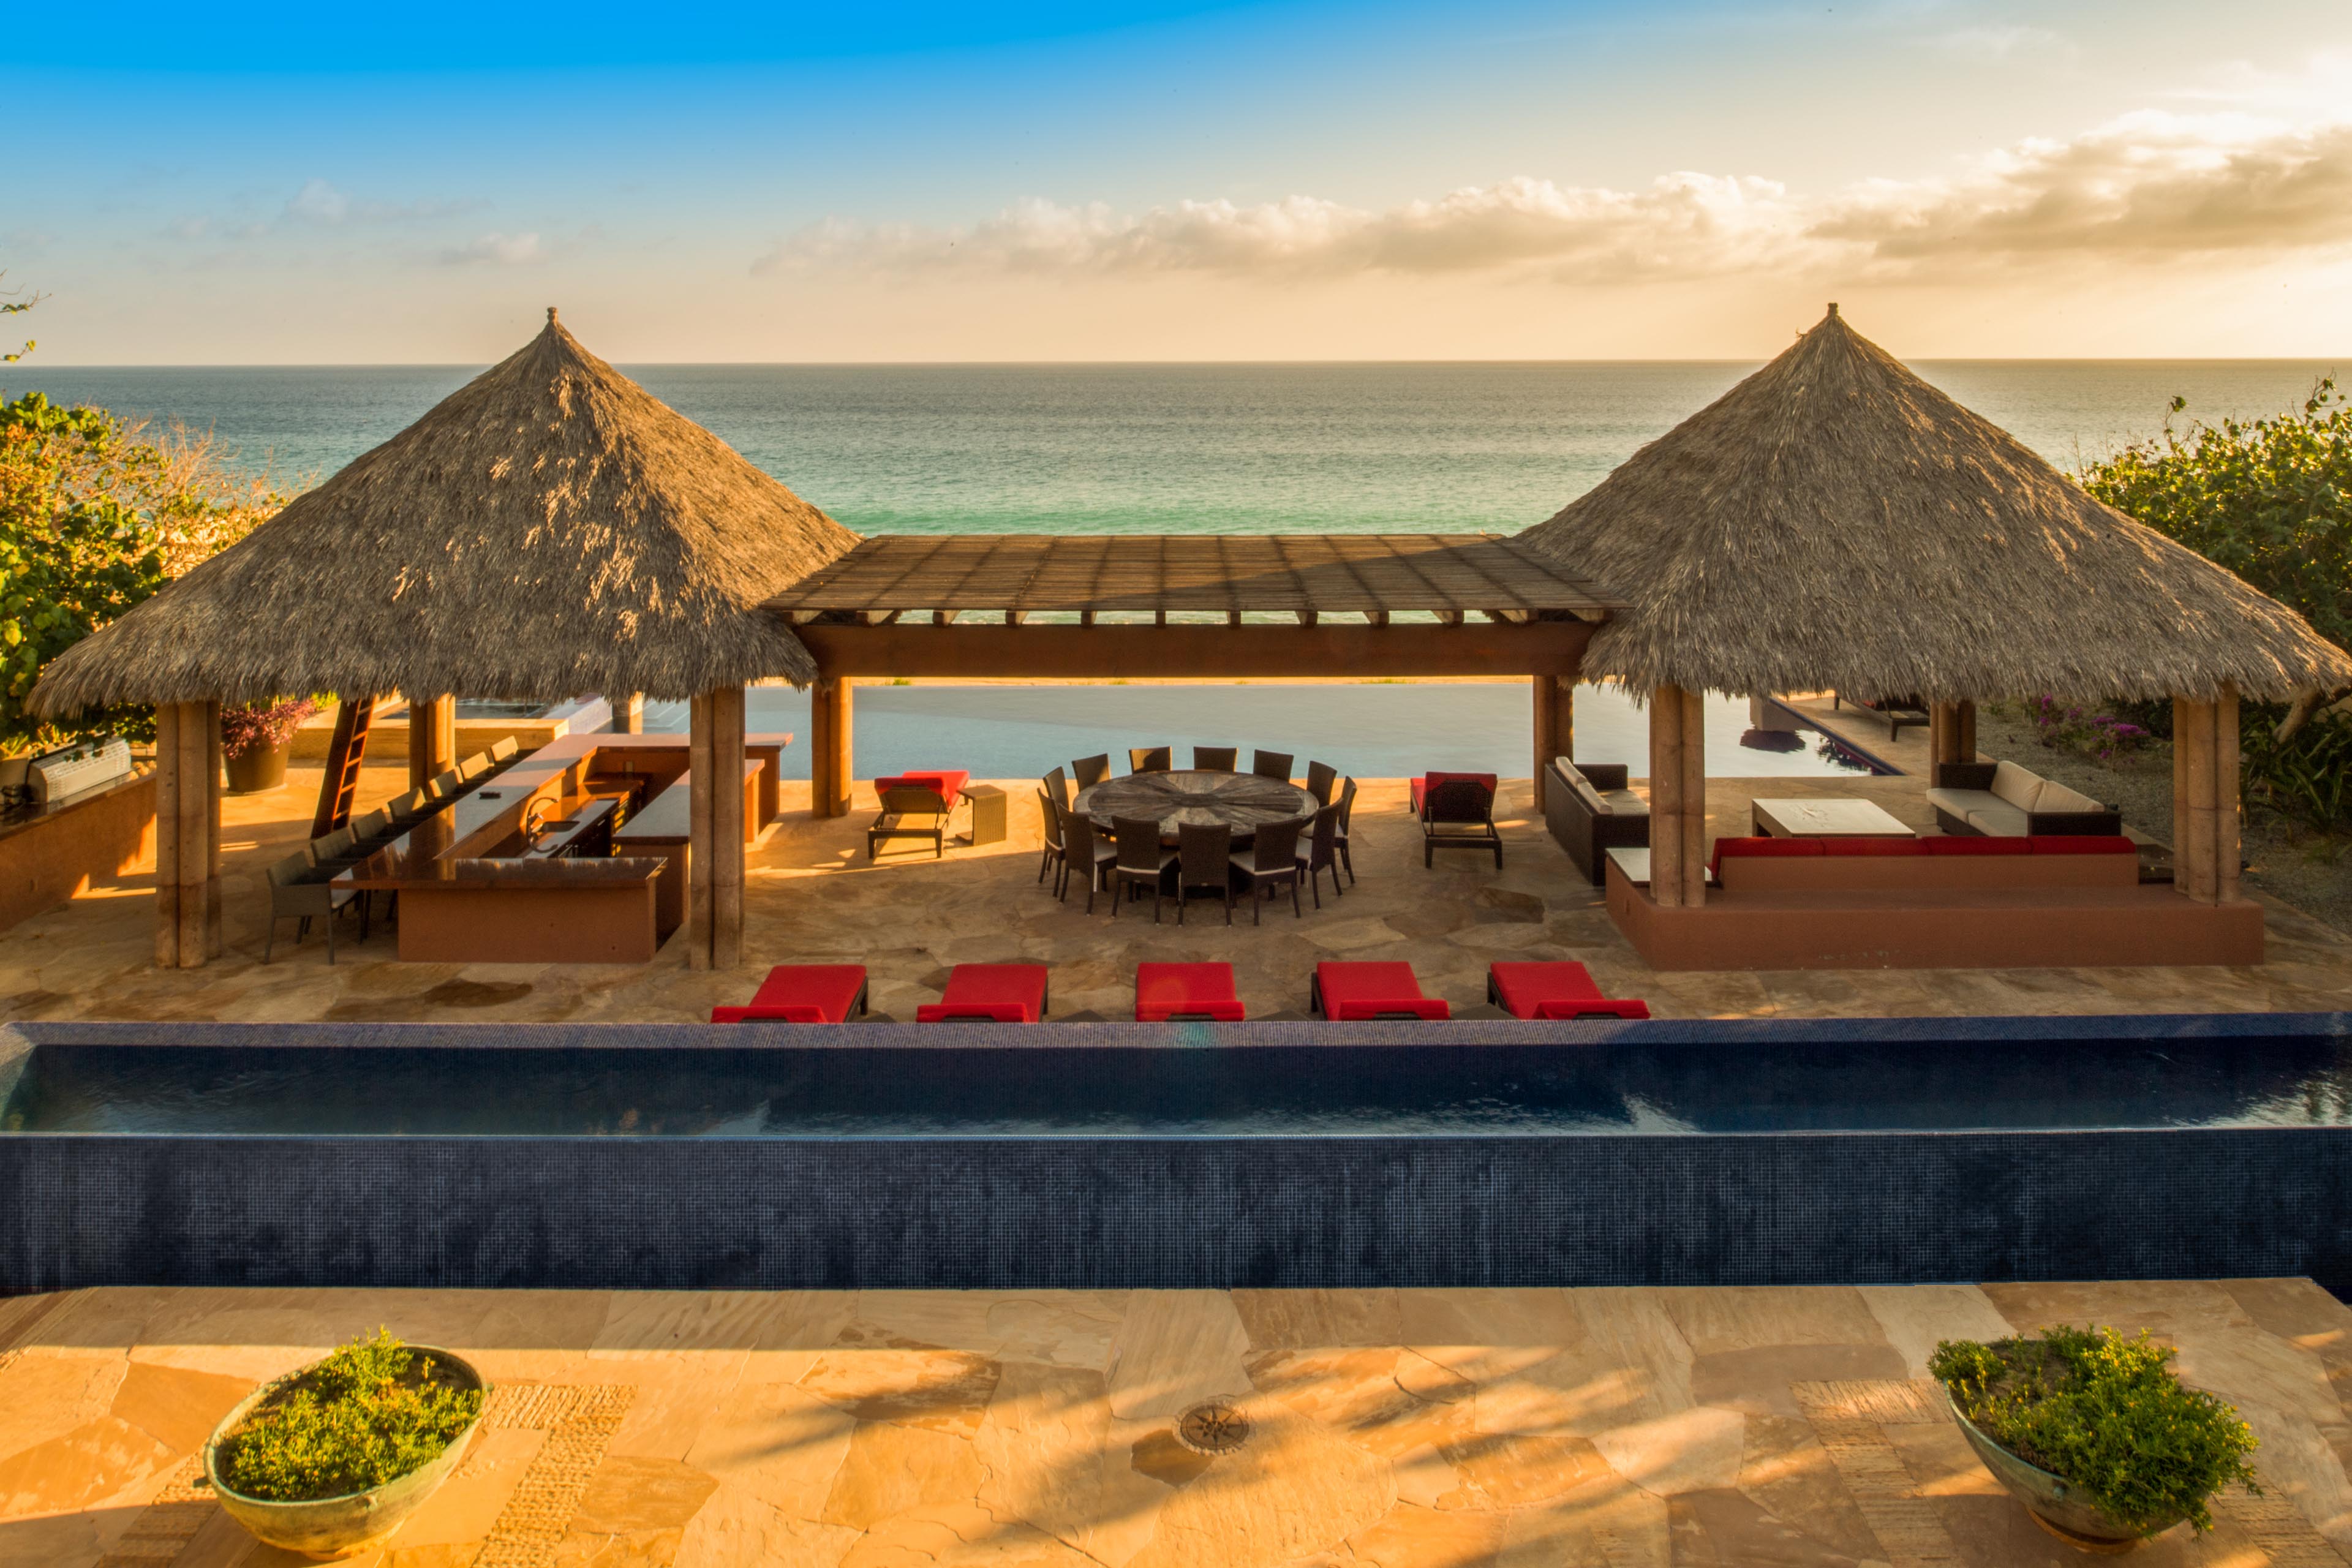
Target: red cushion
column 1967, row 844
column 1002, row 993
column 1556, row 990
column 1591, row 1007
column 1427, row 782
column 949, row 781
column 1364, row 990
column 2083, row 843
column 1196, row 990
column 1759, row 849
column 801, row 994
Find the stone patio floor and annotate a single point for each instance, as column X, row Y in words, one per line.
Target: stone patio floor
column 1406, row 1429
column 812, row 896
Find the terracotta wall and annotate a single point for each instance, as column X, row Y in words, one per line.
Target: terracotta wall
column 45, row 862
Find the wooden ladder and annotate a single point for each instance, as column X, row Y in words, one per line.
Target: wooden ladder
column 341, row 781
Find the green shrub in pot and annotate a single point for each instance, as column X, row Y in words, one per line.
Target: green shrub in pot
column 2106, row 1415
column 337, row 1455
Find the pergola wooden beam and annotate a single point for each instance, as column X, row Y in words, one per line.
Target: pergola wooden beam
column 1196, row 651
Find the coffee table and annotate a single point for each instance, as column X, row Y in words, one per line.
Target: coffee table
column 1830, row 819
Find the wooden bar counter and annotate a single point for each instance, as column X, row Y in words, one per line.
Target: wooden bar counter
column 515, row 871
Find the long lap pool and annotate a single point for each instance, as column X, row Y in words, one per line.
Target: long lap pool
column 1111, row 1155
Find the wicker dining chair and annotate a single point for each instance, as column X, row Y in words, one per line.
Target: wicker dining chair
column 1091, row 771
column 1272, row 764
column 1214, row 759
column 1057, row 785
column 1084, row 850
column 1319, row 852
column 1347, row 818
column 1204, row 863
column 1049, row 817
column 297, row 894
column 1271, row 860
column 1321, row 777
column 1139, row 858
column 1151, row 760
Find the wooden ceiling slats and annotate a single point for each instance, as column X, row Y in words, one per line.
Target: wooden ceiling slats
column 1363, row 574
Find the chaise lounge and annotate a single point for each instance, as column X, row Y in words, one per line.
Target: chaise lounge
column 989, row 993
column 803, row 993
column 1559, row 990
column 1166, row 993
column 2002, row 800
column 1360, row 993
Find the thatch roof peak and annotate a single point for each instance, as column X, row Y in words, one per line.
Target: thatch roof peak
column 1833, row 520
column 549, row 530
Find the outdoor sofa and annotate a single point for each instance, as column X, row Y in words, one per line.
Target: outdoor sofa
column 2002, row 800
column 1591, row 810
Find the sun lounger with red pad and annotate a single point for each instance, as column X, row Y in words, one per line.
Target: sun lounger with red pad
column 1356, row 993
column 1562, row 990
column 802, row 993
column 1164, row 992
column 989, row 993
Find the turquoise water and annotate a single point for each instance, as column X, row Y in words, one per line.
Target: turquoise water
column 1169, row 448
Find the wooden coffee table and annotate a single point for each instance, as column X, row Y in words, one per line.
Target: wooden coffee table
column 1830, row 819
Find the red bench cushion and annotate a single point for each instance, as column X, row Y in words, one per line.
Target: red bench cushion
column 1362, row 991
column 1760, row 848
column 1972, row 844
column 1196, row 990
column 1002, row 992
column 1557, row 990
column 950, row 783
column 801, row 994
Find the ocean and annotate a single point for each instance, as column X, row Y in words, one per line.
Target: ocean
column 1181, row 448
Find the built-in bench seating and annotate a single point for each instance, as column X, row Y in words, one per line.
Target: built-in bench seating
column 2002, row 800
column 1591, row 810
column 1941, row 902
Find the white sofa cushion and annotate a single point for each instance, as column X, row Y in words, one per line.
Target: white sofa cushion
column 2016, row 785
column 1960, row 802
column 2001, row 820
column 2055, row 796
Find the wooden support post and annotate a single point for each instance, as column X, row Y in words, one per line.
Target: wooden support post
column 1694, row 798
column 2193, row 815
column 1940, row 728
column 703, row 783
column 432, row 738
column 2226, row 825
column 1555, row 709
column 1964, row 739
column 629, row 714
column 831, row 756
column 1666, row 796
column 189, row 927
column 721, row 868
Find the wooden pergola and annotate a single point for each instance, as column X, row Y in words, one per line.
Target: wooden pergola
column 1046, row 606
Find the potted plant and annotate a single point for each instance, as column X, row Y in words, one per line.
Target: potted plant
column 330, row 1459
column 2093, row 1433
column 255, row 739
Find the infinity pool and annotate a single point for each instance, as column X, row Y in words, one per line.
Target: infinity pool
column 1620, row 1086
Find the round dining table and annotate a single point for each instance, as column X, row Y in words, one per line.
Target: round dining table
column 1243, row 802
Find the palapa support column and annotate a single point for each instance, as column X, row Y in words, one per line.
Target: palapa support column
column 2205, row 827
column 714, row 830
column 1677, row 797
column 1555, row 715
column 189, row 928
column 629, row 714
column 1951, row 735
column 432, row 739
column 829, row 754
column 1694, row 796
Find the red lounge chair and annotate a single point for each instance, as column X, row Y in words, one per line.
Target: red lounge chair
column 946, row 782
column 803, row 993
column 1562, row 990
column 1164, row 992
column 989, row 993
column 1456, row 812
column 1354, row 993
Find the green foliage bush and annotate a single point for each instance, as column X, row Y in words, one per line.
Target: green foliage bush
column 371, row 1413
column 94, row 518
column 2106, row 1414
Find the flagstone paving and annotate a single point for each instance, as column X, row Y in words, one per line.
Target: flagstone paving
column 1404, row 1428
column 811, row 896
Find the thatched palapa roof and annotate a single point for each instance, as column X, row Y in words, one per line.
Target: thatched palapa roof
column 1835, row 521
column 549, row 530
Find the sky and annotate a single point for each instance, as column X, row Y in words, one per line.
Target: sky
column 269, row 183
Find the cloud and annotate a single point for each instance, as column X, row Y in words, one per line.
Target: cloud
column 320, row 202
column 2149, row 183
column 496, row 249
column 2005, row 42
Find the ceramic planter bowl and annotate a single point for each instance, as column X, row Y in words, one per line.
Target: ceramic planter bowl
column 339, row 1526
column 257, row 769
column 2060, row 1506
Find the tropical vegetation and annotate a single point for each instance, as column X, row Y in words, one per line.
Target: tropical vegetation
column 368, row 1414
